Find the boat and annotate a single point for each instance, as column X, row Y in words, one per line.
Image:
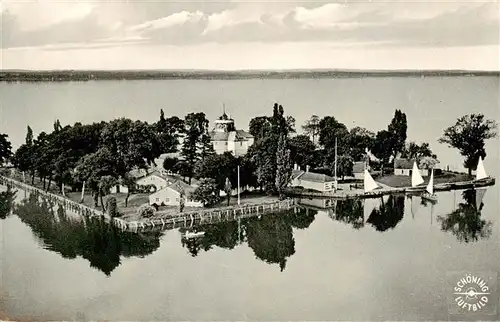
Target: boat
column 189, row 234
column 429, row 193
column 480, row 171
column 369, row 183
column 416, row 179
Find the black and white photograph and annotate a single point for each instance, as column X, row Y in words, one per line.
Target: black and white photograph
column 248, row 160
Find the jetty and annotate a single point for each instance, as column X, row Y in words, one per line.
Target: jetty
column 386, row 190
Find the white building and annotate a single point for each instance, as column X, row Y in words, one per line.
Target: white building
column 311, row 180
column 226, row 138
column 170, row 195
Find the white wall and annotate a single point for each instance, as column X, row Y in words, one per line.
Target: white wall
column 320, row 186
column 407, row 172
column 170, row 197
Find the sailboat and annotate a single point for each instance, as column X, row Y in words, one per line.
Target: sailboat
column 416, row 178
column 369, row 183
column 429, row 191
column 480, row 171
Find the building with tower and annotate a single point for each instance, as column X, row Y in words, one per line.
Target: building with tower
column 226, row 138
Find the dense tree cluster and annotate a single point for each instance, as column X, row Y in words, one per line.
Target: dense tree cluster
column 103, row 154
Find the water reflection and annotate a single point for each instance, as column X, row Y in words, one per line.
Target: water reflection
column 388, row 214
column 6, row 202
column 269, row 236
column 465, row 221
column 91, row 238
column 351, row 212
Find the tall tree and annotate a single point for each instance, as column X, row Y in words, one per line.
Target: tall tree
column 398, row 129
column 5, row 149
column 468, row 135
column 283, row 167
column 196, row 144
column 382, row 147
column 311, row 127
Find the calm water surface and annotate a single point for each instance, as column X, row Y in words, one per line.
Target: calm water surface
column 347, row 263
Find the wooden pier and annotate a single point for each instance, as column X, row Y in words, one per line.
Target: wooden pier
column 207, row 216
column 360, row 194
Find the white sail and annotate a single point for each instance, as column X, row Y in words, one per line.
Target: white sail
column 430, row 186
column 416, row 178
column 480, row 171
column 369, row 183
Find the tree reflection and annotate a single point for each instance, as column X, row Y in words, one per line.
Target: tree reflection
column 388, row 214
column 223, row 235
column 270, row 236
column 271, row 239
column 351, row 212
column 95, row 240
column 6, row 202
column 465, row 222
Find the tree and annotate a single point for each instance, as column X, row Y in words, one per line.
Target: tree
column 427, row 162
column 414, row 151
column 170, row 163
column 382, row 147
column 95, row 166
column 344, row 166
column 259, row 127
column 196, row 143
column 302, row 150
column 5, row 149
column 283, row 168
column 398, row 129
column 331, row 130
column 359, row 140
column 206, row 192
column 468, row 135
column 228, row 190
column 311, row 127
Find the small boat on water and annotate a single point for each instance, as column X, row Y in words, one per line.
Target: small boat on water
column 429, row 193
column 480, row 171
column 189, row 234
column 369, row 183
column 416, row 179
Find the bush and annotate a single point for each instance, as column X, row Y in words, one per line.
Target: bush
column 146, row 211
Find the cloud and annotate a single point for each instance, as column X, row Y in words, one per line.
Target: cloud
column 419, row 24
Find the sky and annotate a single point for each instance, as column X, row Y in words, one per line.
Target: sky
column 229, row 35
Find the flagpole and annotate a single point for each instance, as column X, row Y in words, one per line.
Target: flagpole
column 238, row 185
column 336, row 182
column 83, row 192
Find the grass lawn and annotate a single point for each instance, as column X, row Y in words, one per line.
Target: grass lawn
column 405, row 181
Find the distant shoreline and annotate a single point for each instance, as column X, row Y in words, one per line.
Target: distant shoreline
column 90, row 75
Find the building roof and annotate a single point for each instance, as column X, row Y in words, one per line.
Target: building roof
column 311, row 176
column 238, row 135
column 358, row 167
column 403, row 163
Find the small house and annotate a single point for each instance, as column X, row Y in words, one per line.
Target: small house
column 170, row 195
column 311, row 180
column 156, row 179
column 404, row 167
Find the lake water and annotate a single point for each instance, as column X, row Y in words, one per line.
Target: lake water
column 350, row 263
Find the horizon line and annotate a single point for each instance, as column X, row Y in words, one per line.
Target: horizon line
column 360, row 70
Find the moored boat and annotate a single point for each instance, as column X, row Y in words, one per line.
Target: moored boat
column 429, row 190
